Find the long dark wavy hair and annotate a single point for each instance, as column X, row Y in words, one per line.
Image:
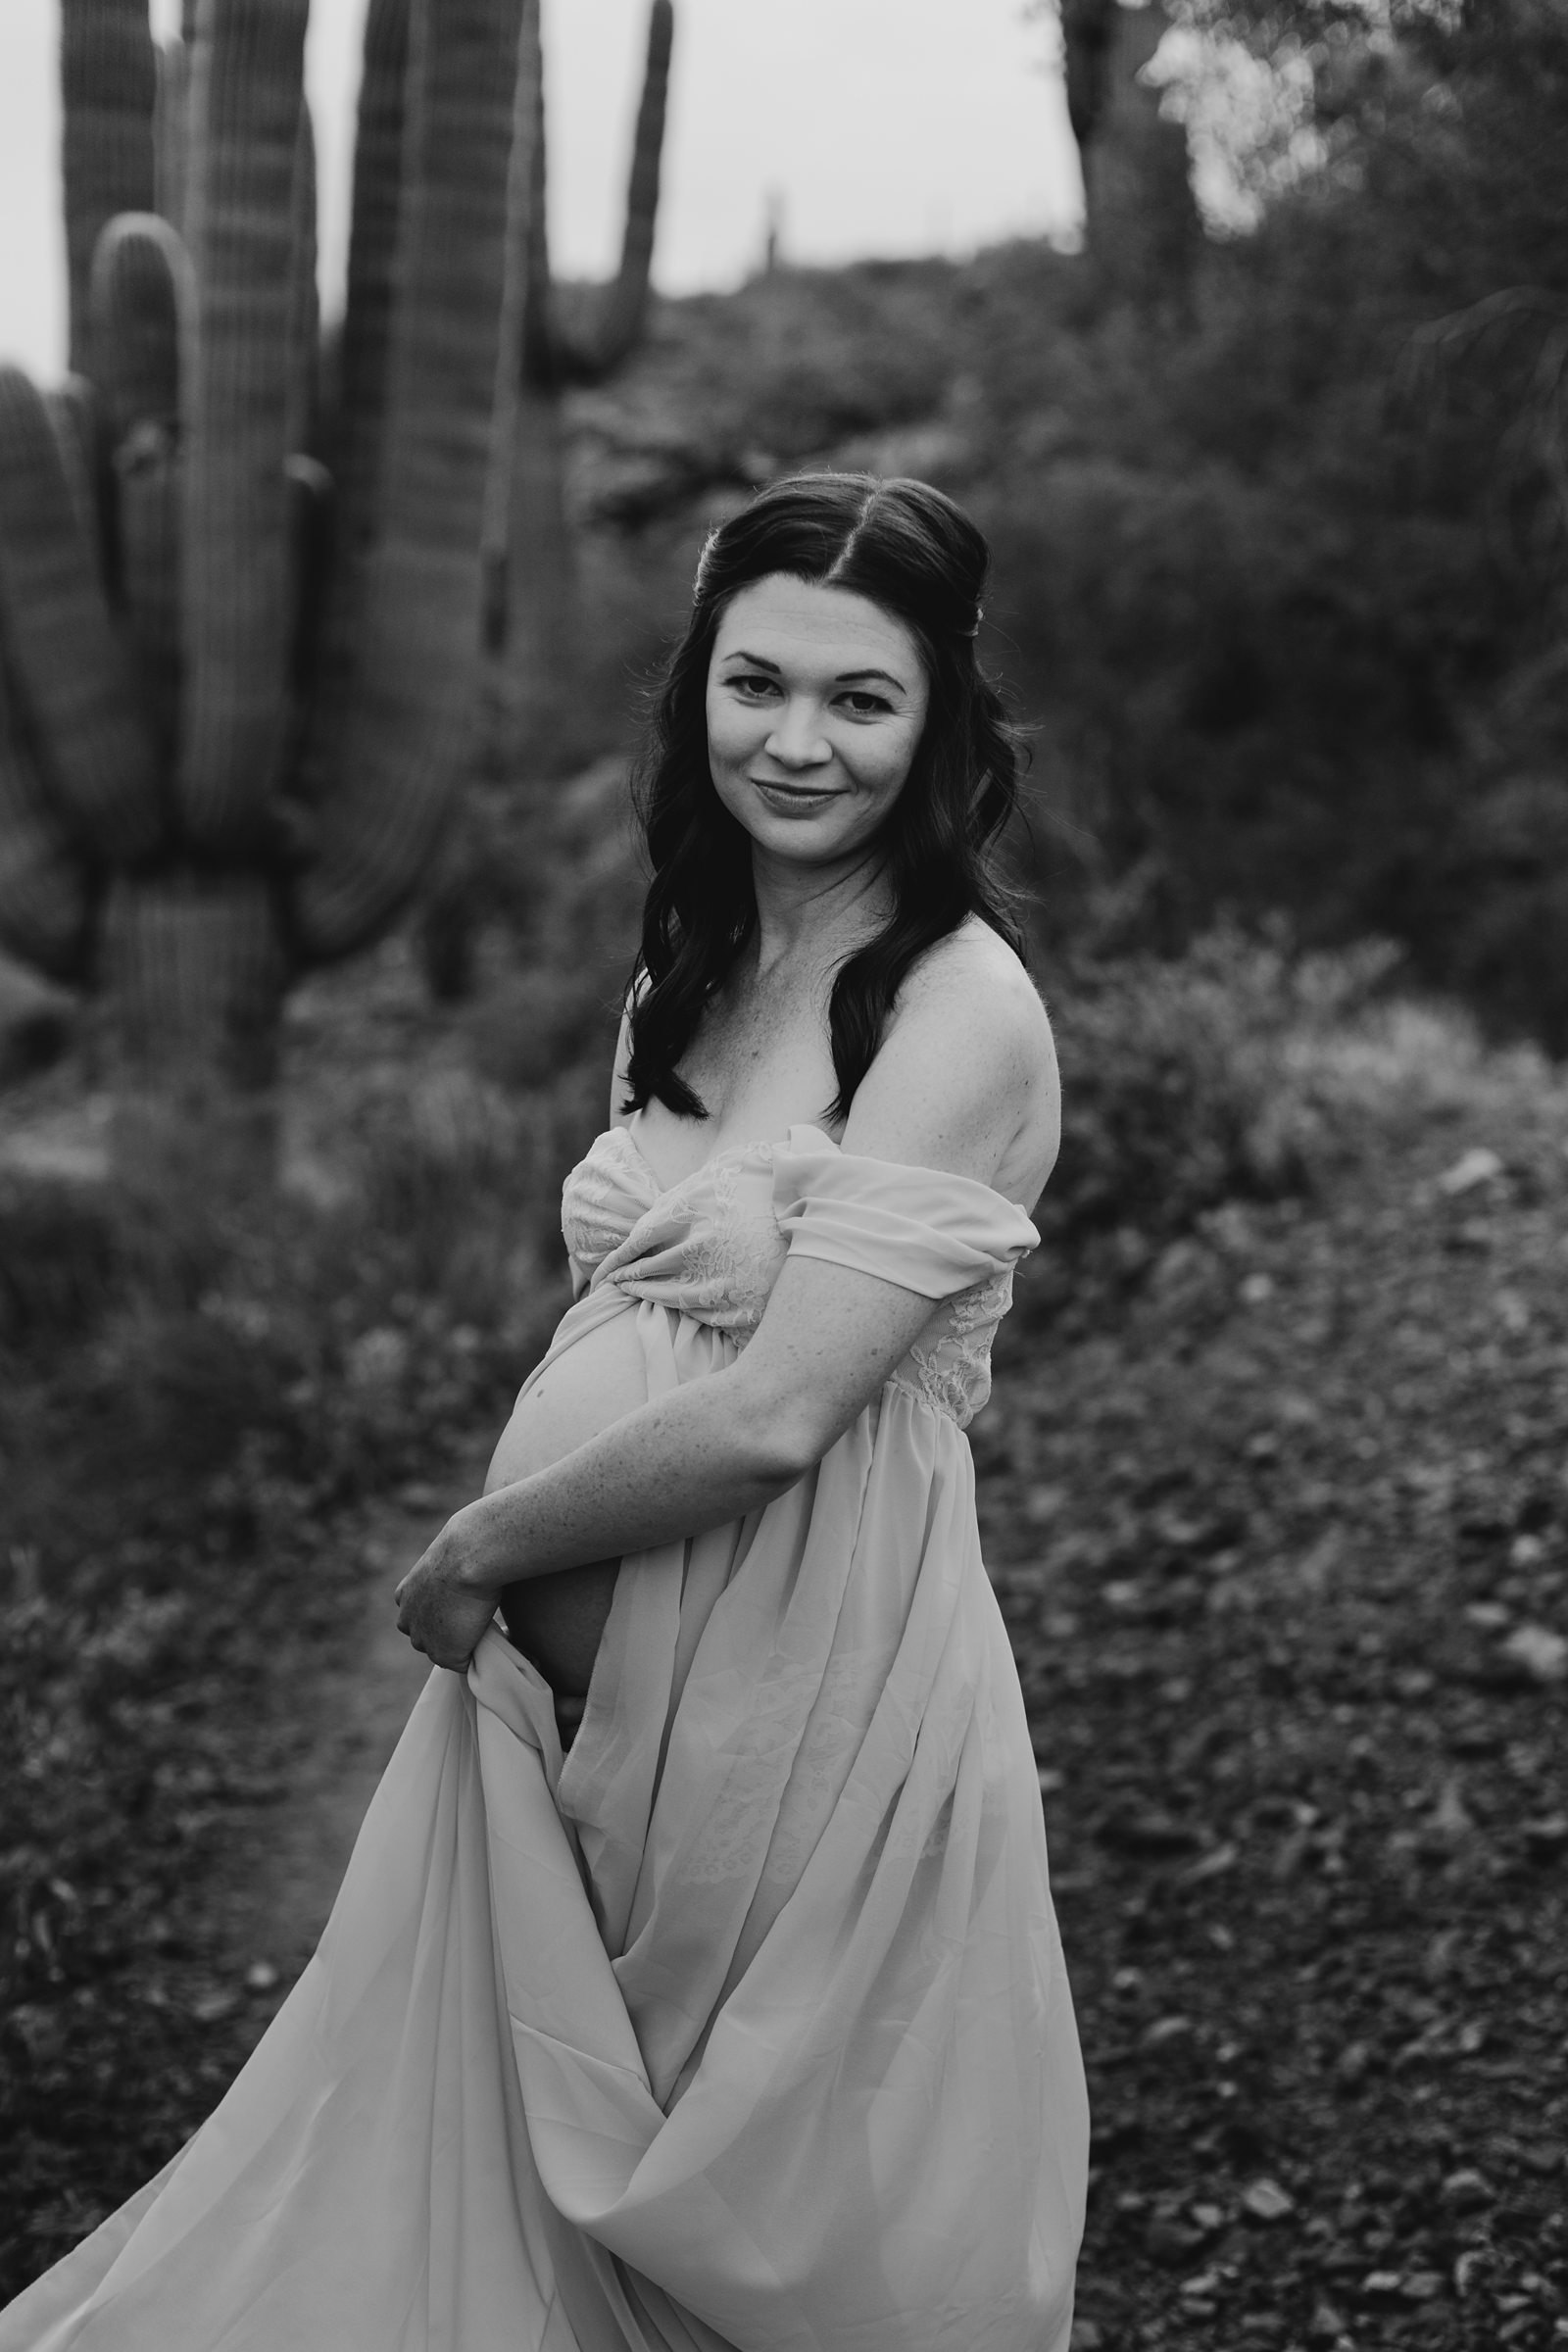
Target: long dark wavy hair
column 909, row 550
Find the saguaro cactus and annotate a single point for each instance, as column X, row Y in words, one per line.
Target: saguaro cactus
column 230, row 736
column 561, row 343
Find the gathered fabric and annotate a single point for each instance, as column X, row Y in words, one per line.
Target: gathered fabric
column 743, row 2025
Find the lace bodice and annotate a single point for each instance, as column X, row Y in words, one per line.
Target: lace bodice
column 712, row 1246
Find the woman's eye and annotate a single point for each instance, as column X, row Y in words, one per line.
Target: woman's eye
column 752, row 685
column 867, row 706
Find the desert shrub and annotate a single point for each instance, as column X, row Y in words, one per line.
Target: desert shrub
column 1183, row 1086
column 324, row 1347
column 57, row 1258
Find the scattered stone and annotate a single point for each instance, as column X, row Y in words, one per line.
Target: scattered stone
column 1267, row 2201
column 1166, row 2030
column 1212, row 1865
column 1479, row 1165
column 1539, row 1653
column 1353, row 2064
column 1448, row 1820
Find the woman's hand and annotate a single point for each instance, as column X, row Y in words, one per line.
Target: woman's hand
column 451, row 1593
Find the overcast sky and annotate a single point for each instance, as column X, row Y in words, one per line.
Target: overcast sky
column 884, row 126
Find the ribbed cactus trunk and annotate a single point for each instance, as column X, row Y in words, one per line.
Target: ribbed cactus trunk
column 108, row 79
column 193, row 975
column 230, row 736
column 536, row 600
column 416, row 630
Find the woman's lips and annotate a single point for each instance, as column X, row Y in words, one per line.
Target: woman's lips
column 795, row 795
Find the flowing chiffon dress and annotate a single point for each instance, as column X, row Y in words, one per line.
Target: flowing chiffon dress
column 742, row 2027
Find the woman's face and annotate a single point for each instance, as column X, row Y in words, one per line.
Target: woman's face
column 817, row 698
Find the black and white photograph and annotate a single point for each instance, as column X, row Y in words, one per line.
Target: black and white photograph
column 783, row 1176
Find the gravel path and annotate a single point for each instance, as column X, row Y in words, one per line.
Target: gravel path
column 1283, row 1546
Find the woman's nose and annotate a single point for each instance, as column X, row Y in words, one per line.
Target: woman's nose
column 797, row 739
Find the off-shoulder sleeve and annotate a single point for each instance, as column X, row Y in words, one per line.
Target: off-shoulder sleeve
column 918, row 1227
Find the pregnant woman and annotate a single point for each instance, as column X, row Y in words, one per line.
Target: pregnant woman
column 695, row 1985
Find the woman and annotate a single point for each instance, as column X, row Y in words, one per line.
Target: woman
column 742, row 2021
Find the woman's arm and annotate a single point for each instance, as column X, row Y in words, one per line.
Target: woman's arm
column 708, row 1454
column 725, row 1445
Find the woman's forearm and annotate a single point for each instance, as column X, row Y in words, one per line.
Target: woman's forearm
column 694, row 1460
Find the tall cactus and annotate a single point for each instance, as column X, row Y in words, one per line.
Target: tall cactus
column 108, row 74
column 230, row 736
column 559, row 344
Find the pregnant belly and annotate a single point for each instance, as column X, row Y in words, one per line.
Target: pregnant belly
column 559, row 1620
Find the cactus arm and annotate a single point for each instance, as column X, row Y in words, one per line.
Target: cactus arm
column 67, row 669
column 72, row 408
column 304, row 314
column 593, row 351
column 355, row 440
column 541, row 350
column 170, row 125
column 396, row 763
column 246, row 89
column 45, row 899
column 140, row 298
column 523, row 314
column 108, row 86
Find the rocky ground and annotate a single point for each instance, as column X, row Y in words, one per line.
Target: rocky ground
column 1278, row 1517
column 1283, row 1552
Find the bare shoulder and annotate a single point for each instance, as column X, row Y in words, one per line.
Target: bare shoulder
column 965, row 1078
column 974, row 980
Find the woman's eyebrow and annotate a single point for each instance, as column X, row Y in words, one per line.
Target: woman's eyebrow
column 844, row 677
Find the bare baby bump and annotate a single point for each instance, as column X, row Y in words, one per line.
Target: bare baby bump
column 559, row 1620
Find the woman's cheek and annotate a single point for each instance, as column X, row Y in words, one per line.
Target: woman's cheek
column 887, row 764
column 730, row 736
